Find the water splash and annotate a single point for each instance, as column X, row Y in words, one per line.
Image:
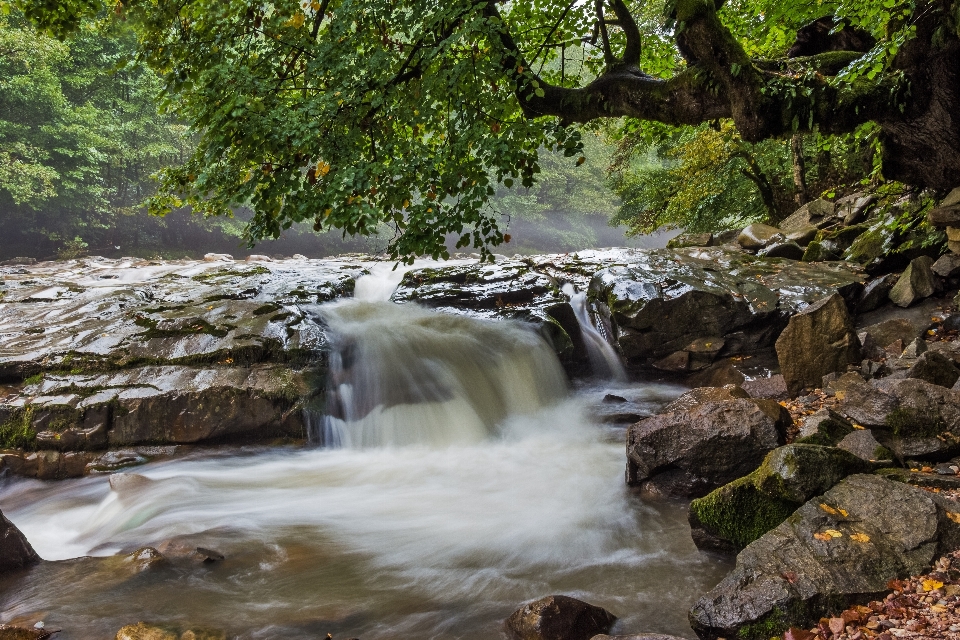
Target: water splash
column 603, row 359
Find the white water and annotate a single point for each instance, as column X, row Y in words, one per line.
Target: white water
column 469, row 481
column 604, row 360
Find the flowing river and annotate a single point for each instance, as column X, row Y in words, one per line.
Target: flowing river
column 453, row 476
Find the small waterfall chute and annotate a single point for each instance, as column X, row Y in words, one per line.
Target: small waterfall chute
column 604, row 360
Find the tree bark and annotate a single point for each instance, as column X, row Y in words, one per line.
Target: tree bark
column 799, row 170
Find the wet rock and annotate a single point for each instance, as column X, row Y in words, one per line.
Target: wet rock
column 667, row 299
column 911, row 417
column 819, row 252
column 803, row 235
column 9, row 632
column 817, row 341
column 209, row 555
column 889, row 331
column 15, row 551
column 789, row 250
column 915, row 349
column 757, row 236
column 814, row 213
column 824, row 427
column 771, row 388
column 143, row 631
column 935, row 368
column 876, row 293
column 145, row 559
column 947, row 265
column 835, row 550
column 691, row 450
column 559, row 618
column 701, row 395
column 613, row 399
column 853, row 208
column 738, row 513
column 690, row 240
column 180, row 312
column 862, row 444
column 916, row 283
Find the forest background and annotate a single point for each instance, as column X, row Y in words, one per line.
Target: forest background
column 81, row 139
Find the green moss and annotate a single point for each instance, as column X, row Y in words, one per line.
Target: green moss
column 35, row 379
column 740, row 512
column 222, row 275
column 882, row 453
column 17, row 432
column 829, row 433
column 910, row 423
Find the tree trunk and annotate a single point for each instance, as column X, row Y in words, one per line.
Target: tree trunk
column 799, row 170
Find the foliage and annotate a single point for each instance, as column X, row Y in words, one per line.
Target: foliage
column 79, row 138
column 351, row 115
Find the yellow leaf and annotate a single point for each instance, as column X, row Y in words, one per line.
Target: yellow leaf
column 859, row 537
column 930, row 585
column 296, row 21
column 833, row 533
column 828, row 509
column 840, row 395
column 843, row 512
column 822, row 536
column 954, row 516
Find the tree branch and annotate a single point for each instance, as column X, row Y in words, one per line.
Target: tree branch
column 604, row 36
column 633, row 48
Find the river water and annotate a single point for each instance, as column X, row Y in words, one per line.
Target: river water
column 455, row 476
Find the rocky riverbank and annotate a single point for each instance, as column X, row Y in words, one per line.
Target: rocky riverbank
column 824, row 417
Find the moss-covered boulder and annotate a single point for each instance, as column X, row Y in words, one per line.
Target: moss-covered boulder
column 740, row 512
column 837, row 549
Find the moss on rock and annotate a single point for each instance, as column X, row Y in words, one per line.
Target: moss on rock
column 740, row 512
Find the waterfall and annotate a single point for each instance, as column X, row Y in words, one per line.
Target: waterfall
column 402, row 374
column 603, row 359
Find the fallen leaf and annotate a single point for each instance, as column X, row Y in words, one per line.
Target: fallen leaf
column 837, row 625
column 842, row 512
column 859, row 537
column 798, row 634
column 931, row 585
column 926, row 469
column 822, row 536
column 789, row 576
column 833, row 533
column 954, row 516
column 828, row 509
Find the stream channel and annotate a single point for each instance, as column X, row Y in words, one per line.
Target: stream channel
column 456, row 474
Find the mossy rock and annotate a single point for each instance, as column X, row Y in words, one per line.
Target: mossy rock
column 817, row 252
column 824, row 428
column 738, row 513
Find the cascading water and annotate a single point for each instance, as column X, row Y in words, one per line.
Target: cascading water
column 402, row 375
column 468, row 480
column 604, row 361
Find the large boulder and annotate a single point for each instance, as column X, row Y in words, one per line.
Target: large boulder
column 96, row 314
column 559, row 618
column 757, row 236
column 815, row 213
column 738, row 513
column 916, row 283
column 909, row 416
column 15, row 551
column 162, row 404
column 890, row 331
column 835, row 550
column 819, row 340
column 698, row 447
column 664, row 300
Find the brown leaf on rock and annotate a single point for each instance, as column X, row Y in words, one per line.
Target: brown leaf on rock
column 837, row 625
column 798, row 634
